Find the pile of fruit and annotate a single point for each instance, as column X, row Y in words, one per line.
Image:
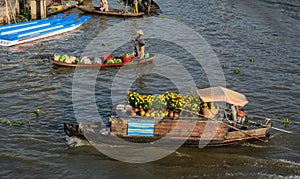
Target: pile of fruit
column 169, row 104
column 87, row 60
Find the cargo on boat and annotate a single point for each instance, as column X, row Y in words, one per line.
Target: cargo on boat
column 108, row 60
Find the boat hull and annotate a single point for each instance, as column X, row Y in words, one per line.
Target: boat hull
column 33, row 38
column 142, row 61
column 26, row 32
column 188, row 133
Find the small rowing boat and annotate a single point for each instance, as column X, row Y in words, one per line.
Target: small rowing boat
column 33, row 30
column 111, row 12
column 102, row 62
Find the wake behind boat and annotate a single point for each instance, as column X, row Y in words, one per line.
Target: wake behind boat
column 29, row 31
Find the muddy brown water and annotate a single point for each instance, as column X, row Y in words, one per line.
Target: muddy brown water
column 237, row 31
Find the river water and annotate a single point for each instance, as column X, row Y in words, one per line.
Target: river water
column 237, row 31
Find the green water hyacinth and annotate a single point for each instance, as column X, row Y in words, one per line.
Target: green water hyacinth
column 237, row 71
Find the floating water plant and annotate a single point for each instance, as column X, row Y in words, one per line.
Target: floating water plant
column 223, row 65
column 13, row 123
column 237, row 71
column 37, row 112
column 286, row 122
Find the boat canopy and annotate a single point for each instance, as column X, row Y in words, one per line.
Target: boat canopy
column 214, row 94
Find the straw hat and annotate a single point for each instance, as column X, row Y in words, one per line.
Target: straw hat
column 140, row 32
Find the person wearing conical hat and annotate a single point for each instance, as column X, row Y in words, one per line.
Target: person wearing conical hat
column 139, row 39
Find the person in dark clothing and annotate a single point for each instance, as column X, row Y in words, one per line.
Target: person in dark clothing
column 139, row 39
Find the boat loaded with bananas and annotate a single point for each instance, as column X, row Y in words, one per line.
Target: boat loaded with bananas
column 108, row 60
column 174, row 117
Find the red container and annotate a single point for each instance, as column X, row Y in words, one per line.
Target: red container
column 126, row 59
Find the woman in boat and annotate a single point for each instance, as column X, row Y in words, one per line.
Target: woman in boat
column 104, row 5
column 141, row 43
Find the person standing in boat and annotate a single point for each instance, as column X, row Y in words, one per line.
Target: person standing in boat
column 104, row 5
column 139, row 39
column 135, row 6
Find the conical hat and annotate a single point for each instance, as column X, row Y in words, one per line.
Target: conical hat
column 140, row 32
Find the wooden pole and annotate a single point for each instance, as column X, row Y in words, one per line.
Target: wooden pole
column 149, row 7
column 12, row 12
column 7, row 12
column 126, row 6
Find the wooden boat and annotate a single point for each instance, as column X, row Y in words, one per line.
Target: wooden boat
column 187, row 130
column 222, row 134
column 135, row 61
column 56, row 8
column 29, row 31
column 111, row 12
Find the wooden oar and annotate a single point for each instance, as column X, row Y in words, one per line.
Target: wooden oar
column 282, row 130
column 227, row 125
column 277, row 120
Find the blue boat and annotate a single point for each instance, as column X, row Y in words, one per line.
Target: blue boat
column 28, row 31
